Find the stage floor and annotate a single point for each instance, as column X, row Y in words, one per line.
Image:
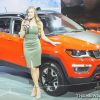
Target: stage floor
column 13, row 87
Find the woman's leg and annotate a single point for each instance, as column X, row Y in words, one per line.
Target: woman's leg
column 38, row 88
column 35, row 77
column 38, row 73
column 34, row 74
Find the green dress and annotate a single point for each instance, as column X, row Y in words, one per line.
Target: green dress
column 32, row 47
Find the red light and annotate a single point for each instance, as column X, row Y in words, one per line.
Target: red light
column 97, row 76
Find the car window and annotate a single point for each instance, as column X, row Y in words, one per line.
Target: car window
column 58, row 24
column 5, row 25
column 17, row 26
column 45, row 25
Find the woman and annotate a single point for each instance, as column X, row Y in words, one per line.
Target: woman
column 31, row 27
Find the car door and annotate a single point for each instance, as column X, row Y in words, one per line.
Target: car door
column 5, row 31
column 11, row 46
column 19, row 55
column 17, row 42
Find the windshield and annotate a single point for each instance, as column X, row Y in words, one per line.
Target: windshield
column 59, row 24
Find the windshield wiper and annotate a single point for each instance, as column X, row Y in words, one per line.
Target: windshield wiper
column 77, row 30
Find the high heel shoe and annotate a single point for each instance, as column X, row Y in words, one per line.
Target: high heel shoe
column 38, row 93
column 33, row 92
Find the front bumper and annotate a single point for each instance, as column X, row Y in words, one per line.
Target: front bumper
column 93, row 78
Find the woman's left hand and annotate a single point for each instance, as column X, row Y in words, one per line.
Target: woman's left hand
column 55, row 43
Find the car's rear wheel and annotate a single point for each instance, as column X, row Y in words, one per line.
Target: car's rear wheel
column 52, row 79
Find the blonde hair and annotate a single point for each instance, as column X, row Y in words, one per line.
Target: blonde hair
column 37, row 19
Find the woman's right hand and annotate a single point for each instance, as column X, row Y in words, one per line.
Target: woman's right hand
column 26, row 25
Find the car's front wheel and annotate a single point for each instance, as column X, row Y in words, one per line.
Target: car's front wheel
column 52, row 78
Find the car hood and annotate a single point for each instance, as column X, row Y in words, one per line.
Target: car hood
column 86, row 36
column 79, row 40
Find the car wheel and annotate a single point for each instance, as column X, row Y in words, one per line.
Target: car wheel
column 52, row 79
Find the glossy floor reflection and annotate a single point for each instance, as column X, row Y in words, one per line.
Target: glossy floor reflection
column 19, row 88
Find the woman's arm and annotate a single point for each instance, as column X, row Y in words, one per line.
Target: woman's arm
column 22, row 32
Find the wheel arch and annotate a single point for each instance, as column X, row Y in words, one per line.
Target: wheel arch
column 47, row 57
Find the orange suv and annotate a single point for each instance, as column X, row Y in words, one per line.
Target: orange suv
column 76, row 60
column 93, row 26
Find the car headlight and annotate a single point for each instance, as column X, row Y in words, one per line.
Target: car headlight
column 77, row 53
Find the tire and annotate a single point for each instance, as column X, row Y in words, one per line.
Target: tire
column 52, row 79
